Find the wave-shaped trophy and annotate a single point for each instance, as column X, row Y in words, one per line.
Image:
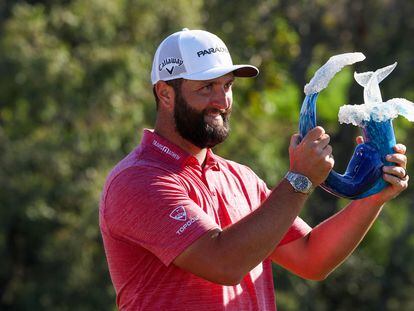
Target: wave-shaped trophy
column 363, row 175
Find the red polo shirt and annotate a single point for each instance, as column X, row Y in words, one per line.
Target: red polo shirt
column 156, row 202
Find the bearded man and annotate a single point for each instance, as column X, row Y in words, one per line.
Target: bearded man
column 185, row 229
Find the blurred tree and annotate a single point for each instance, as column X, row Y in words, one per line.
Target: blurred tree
column 73, row 93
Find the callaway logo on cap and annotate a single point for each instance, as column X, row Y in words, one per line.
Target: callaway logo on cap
column 195, row 55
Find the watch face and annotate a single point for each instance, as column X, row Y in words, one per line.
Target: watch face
column 302, row 183
column 299, row 182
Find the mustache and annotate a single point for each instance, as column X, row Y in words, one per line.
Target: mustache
column 222, row 112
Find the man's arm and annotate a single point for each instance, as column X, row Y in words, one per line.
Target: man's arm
column 331, row 242
column 226, row 256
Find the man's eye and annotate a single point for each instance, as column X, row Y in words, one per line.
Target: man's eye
column 207, row 87
column 228, row 85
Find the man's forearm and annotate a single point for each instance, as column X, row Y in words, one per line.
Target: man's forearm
column 348, row 227
column 232, row 253
column 332, row 241
column 265, row 227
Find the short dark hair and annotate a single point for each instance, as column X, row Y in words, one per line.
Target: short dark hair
column 175, row 84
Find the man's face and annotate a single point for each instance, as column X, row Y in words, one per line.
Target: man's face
column 202, row 110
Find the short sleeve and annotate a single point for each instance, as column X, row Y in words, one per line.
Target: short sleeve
column 297, row 230
column 150, row 208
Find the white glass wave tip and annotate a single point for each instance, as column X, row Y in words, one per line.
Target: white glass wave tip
column 370, row 81
column 378, row 112
column 404, row 107
column 325, row 73
column 364, row 77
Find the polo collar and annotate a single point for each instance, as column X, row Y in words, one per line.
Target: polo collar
column 169, row 153
column 211, row 161
column 162, row 149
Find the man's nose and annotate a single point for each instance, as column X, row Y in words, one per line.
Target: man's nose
column 221, row 99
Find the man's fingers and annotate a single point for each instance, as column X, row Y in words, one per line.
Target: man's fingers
column 397, row 171
column 400, row 148
column 294, row 140
column 359, row 140
column 314, row 134
column 398, row 182
column 323, row 141
column 327, row 155
column 317, row 137
column 398, row 158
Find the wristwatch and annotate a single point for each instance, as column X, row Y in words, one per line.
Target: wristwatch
column 299, row 182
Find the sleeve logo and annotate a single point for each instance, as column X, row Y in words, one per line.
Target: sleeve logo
column 179, row 214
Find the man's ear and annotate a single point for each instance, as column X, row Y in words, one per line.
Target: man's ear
column 166, row 94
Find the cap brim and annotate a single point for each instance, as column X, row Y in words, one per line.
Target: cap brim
column 244, row 71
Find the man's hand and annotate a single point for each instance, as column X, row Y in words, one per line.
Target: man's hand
column 395, row 175
column 312, row 157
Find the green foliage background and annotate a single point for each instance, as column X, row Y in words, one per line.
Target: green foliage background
column 75, row 95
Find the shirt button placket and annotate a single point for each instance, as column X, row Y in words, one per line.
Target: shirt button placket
column 208, row 182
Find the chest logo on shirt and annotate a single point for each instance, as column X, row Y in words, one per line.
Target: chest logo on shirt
column 179, row 214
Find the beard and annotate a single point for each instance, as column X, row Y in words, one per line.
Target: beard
column 192, row 125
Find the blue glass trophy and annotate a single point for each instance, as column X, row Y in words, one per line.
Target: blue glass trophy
column 363, row 175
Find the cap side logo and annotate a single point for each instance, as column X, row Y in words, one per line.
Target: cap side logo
column 179, row 214
column 170, row 61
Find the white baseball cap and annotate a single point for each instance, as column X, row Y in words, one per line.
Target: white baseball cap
column 195, row 55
